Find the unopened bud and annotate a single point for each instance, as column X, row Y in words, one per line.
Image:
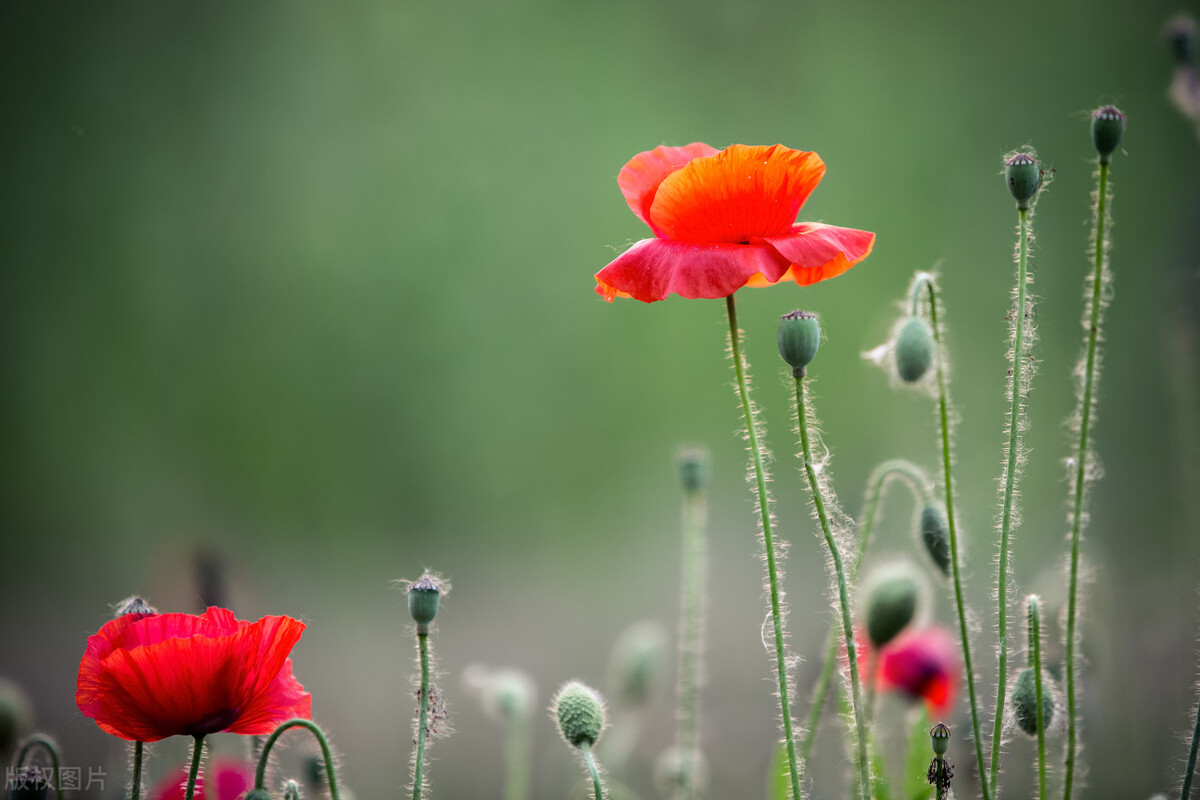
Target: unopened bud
column 935, row 536
column 914, row 349
column 1108, row 126
column 423, row 596
column 1023, row 176
column 892, row 600
column 693, row 468
column 939, row 739
column 1024, row 702
column 799, row 338
column 580, row 713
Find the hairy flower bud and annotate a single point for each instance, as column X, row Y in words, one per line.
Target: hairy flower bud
column 893, row 596
column 580, row 713
column 935, row 536
column 1024, row 702
column 914, row 349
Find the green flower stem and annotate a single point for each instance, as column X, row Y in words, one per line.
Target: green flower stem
column 516, row 784
column 691, row 633
column 1010, row 480
column 422, row 716
column 135, row 788
column 926, row 280
column 1035, row 650
column 260, row 774
column 843, row 591
column 51, row 748
column 197, row 757
column 590, row 761
column 764, row 509
column 1191, row 762
column 875, row 484
column 1081, row 458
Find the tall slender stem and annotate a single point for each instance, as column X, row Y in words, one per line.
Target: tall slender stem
column 260, row 774
column 1081, row 459
column 691, row 634
column 590, row 761
column 875, row 484
column 422, row 716
column 1191, row 762
column 135, row 788
column 764, row 508
column 835, row 553
column 1035, row 647
column 516, row 784
column 197, row 757
column 1017, row 371
column 952, row 521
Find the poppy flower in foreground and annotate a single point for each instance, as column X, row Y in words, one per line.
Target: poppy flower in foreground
column 724, row 219
column 923, row 664
column 145, row 677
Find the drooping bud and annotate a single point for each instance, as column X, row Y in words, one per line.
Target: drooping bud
column 939, row 739
column 1023, row 176
column 694, row 468
column 1108, row 126
column 1024, row 702
column 133, row 605
column 29, row 783
column 799, row 338
column 579, row 711
column 893, row 596
column 914, row 349
column 423, row 596
column 637, row 663
column 935, row 536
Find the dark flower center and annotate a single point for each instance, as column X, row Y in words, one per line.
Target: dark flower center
column 214, row 723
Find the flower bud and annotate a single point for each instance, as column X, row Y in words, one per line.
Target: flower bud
column 892, row 601
column 133, row 605
column 1023, row 176
column 423, row 596
column 1108, row 126
column 939, row 739
column 1024, row 702
column 693, row 468
column 637, row 663
column 914, row 349
column 799, row 337
column 29, row 784
column 1180, row 34
column 935, row 536
column 580, row 713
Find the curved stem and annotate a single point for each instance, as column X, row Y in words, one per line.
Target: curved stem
column 422, row 716
column 51, row 748
column 1035, row 647
column 919, row 483
column 590, row 761
column 1081, row 458
column 197, row 757
column 135, row 789
column 843, row 591
column 764, row 509
column 260, row 774
column 951, row 519
column 1010, row 479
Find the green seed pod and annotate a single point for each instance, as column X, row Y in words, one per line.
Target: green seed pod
column 693, row 468
column 1108, row 126
column 799, row 338
column 914, row 349
column 1180, row 34
column 1023, row 176
column 580, row 713
column 423, row 596
column 29, row 783
column 935, row 536
column 133, row 605
column 939, row 739
column 892, row 600
column 1024, row 702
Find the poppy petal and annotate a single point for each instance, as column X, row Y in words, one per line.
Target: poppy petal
column 817, row 251
column 655, row 268
column 284, row 699
column 641, row 175
column 740, row 195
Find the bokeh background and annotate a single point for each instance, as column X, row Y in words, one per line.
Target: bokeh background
column 309, row 286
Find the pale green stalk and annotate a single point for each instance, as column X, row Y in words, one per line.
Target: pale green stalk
column 422, row 717
column 1035, row 651
column 691, row 633
column 590, row 761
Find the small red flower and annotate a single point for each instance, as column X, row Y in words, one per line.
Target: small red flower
column 724, row 219
column 923, row 664
column 231, row 780
column 145, row 677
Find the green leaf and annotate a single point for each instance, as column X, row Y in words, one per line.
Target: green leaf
column 779, row 780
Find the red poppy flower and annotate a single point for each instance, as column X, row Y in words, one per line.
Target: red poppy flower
column 723, row 220
column 145, row 677
column 924, row 664
column 230, row 779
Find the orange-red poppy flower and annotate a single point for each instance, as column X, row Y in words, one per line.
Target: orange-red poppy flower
column 145, row 677
column 724, row 219
column 923, row 664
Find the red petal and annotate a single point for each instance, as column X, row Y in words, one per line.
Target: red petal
column 640, row 177
column 924, row 664
column 737, row 196
column 284, row 699
column 818, row 251
column 654, row 268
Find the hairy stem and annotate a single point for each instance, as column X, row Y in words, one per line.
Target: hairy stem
column 422, row 718
column 260, row 774
column 1035, row 648
column 691, row 634
column 197, row 757
column 590, row 761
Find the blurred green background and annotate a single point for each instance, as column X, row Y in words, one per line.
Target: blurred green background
column 311, row 284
